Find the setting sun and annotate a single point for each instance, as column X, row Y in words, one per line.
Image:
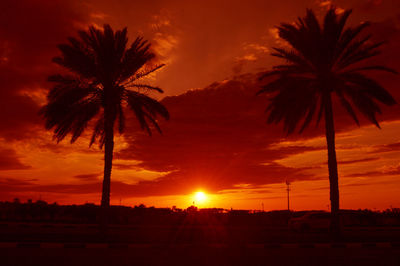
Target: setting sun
column 200, row 197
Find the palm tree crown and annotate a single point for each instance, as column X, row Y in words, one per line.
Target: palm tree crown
column 324, row 60
column 102, row 79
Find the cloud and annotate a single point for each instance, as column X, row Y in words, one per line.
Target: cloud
column 385, row 171
column 369, row 159
column 121, row 166
column 29, row 33
column 217, row 138
column 386, row 148
column 88, row 177
column 370, row 5
column 13, row 186
column 10, row 161
column 16, row 182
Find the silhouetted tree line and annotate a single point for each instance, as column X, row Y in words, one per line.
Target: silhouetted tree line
column 89, row 213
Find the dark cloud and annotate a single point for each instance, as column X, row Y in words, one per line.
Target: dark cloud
column 378, row 7
column 16, row 182
column 12, row 186
column 217, row 138
column 386, row 148
column 9, row 160
column 370, row 159
column 29, row 33
column 88, row 177
column 216, row 180
column 120, row 166
column 383, row 172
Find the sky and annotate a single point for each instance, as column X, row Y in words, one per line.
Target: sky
column 217, row 140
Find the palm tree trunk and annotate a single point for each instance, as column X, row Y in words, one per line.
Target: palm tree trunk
column 332, row 166
column 108, row 157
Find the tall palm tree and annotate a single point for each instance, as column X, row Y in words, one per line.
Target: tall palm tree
column 324, row 61
column 102, row 80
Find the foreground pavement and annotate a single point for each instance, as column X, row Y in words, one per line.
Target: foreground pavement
column 73, row 244
column 44, row 254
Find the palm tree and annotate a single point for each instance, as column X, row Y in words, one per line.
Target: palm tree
column 102, row 80
column 324, row 61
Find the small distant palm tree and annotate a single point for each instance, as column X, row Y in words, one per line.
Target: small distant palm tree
column 102, row 80
column 322, row 61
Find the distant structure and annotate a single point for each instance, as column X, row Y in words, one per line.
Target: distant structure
column 288, row 189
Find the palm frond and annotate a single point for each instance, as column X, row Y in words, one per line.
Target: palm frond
column 145, row 86
column 76, row 57
column 298, row 94
column 322, row 107
column 332, row 30
column 368, row 87
column 144, row 108
column 374, row 67
column 67, row 119
column 135, row 58
column 282, row 82
column 362, row 53
column 310, row 113
column 367, row 106
column 98, row 131
column 69, row 90
column 293, row 58
column 121, row 119
column 347, row 106
column 145, row 73
column 300, row 34
column 347, row 37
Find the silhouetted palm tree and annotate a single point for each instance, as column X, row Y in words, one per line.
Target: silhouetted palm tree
column 324, row 60
column 102, row 71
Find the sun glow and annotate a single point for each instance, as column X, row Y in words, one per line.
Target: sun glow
column 200, row 197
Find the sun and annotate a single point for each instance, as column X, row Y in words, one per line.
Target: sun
column 200, row 197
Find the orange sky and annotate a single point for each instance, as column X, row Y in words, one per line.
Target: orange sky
column 217, row 139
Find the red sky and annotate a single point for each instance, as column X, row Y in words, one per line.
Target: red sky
column 217, row 139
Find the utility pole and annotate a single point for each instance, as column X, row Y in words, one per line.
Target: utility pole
column 288, row 189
